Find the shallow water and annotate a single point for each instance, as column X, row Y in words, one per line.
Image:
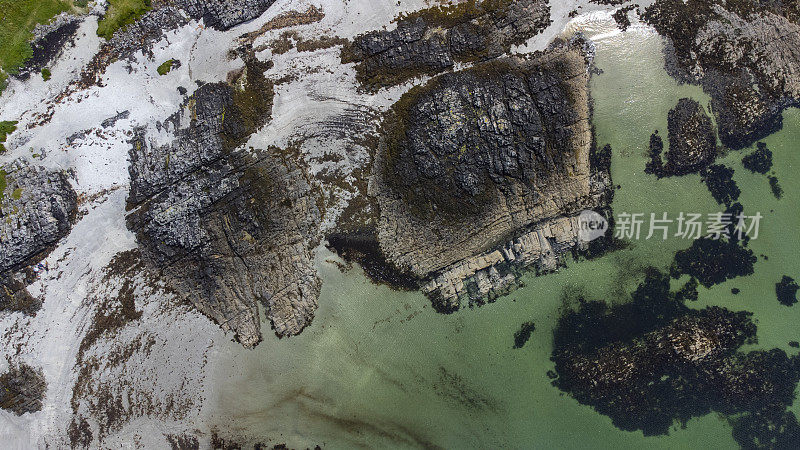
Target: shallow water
column 380, row 367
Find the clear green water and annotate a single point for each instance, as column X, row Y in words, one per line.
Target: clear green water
column 381, row 368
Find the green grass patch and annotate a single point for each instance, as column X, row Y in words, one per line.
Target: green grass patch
column 18, row 18
column 120, row 14
column 17, row 194
column 3, row 182
column 165, row 67
column 46, row 74
column 6, row 128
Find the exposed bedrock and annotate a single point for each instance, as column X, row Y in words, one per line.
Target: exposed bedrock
column 433, row 40
column 230, row 228
column 744, row 54
column 37, row 209
column 483, row 171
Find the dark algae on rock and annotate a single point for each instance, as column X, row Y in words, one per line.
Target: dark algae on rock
column 652, row 361
column 692, row 141
column 744, row 54
column 719, row 180
column 712, row 261
column 786, row 290
column 760, row 161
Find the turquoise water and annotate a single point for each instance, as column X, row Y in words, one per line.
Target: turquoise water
column 381, row 368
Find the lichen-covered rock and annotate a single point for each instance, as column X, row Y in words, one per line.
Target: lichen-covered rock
column 744, row 54
column 37, row 208
column 484, row 167
column 692, row 141
column 229, row 228
column 433, row 40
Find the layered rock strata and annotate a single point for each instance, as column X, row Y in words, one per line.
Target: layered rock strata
column 37, row 209
column 744, row 54
column 231, row 229
column 481, row 172
column 433, row 40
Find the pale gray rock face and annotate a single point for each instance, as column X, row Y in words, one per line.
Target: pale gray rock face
column 480, row 172
column 229, row 228
column 38, row 208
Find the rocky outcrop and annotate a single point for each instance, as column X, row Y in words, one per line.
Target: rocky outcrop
column 37, row 210
column 166, row 16
column 231, row 229
column 481, row 172
column 744, row 54
column 433, row 40
column 47, row 43
column 692, row 141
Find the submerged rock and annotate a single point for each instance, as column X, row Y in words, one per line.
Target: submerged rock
column 652, row 361
column 712, row 261
column 760, row 161
column 483, row 171
column 720, row 182
column 786, row 290
column 230, row 228
column 434, row 40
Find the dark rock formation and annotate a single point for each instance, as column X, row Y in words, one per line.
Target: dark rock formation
column 653, row 361
column 484, row 170
column 22, row 389
column 228, row 227
column 433, row 40
column 760, row 161
column 621, row 17
column 786, row 290
column 744, row 54
column 522, row 335
column 776, row 188
column 720, row 182
column 712, row 261
column 692, row 141
column 656, row 165
column 48, row 42
column 37, row 209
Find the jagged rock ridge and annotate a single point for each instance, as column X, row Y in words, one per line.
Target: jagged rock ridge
column 433, row 40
